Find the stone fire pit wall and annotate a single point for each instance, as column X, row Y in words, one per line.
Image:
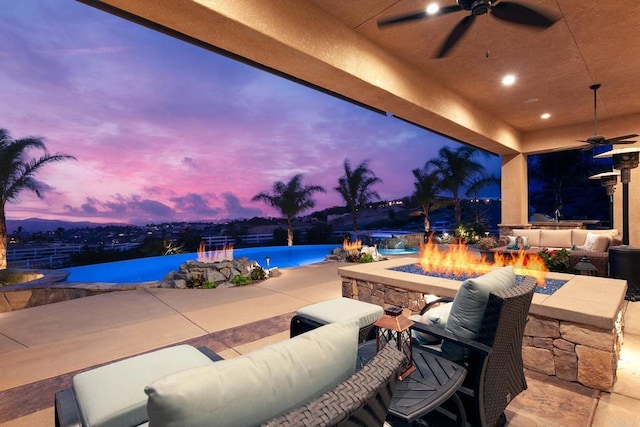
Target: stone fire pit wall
column 567, row 350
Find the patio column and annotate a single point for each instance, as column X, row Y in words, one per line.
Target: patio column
column 515, row 195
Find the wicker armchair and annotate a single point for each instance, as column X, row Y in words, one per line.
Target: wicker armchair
column 495, row 368
column 362, row 400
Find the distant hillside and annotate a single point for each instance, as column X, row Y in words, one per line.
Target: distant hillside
column 35, row 225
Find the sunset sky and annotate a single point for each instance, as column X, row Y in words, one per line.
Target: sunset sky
column 165, row 131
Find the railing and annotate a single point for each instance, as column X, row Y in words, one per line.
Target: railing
column 54, row 256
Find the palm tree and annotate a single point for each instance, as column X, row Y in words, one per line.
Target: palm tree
column 426, row 192
column 456, row 169
column 355, row 188
column 291, row 199
column 473, row 191
column 17, row 174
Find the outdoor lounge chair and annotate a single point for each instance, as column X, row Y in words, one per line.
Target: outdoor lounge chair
column 495, row 373
column 307, row 380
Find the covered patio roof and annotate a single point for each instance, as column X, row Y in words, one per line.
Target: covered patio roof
column 337, row 47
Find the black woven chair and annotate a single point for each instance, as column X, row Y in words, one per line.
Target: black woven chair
column 361, row 400
column 495, row 372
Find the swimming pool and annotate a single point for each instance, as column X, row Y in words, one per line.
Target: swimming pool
column 155, row 268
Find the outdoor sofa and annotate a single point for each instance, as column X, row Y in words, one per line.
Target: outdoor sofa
column 310, row 379
column 593, row 244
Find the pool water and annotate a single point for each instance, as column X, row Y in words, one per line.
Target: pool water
column 155, row 268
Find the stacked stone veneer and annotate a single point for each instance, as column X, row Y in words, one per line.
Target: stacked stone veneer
column 569, row 351
column 572, row 351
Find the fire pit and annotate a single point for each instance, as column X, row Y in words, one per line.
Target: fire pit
column 457, row 262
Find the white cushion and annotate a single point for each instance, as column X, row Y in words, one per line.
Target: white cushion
column 113, row 395
column 342, row 310
column 579, row 236
column 596, row 242
column 469, row 304
column 258, row 386
column 555, row 238
column 437, row 317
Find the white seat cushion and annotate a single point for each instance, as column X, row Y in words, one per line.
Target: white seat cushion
column 342, row 310
column 256, row 387
column 113, row 395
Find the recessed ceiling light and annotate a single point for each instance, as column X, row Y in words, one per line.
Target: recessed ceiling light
column 508, row 80
column 545, row 116
column 433, row 8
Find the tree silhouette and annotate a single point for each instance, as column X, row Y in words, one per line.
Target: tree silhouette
column 17, row 174
column 456, row 169
column 355, row 188
column 427, row 188
column 291, row 199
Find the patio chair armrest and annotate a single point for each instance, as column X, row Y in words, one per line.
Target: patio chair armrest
column 434, row 302
column 66, row 409
column 475, row 346
column 362, row 399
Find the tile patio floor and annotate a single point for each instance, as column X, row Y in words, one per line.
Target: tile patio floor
column 42, row 347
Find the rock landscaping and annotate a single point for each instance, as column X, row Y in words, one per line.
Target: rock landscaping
column 196, row 274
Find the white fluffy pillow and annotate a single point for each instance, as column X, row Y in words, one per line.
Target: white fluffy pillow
column 596, row 242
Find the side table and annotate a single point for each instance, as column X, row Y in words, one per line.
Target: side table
column 434, row 381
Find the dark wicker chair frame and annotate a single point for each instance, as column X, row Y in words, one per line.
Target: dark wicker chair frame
column 300, row 325
column 362, row 400
column 495, row 372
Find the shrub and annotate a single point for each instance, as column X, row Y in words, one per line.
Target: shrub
column 258, row 273
column 366, row 258
column 241, row 280
column 557, row 261
column 486, row 243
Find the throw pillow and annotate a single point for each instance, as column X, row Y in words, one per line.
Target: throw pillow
column 518, row 242
column 437, row 317
column 590, row 241
column 468, row 307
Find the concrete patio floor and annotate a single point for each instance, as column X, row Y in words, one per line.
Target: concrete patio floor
column 42, row 347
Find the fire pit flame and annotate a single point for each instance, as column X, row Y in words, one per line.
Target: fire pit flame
column 458, row 261
column 218, row 255
column 351, row 246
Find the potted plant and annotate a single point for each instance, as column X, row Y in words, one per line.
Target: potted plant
column 485, row 244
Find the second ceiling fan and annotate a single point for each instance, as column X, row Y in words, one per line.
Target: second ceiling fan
column 505, row 10
column 596, row 140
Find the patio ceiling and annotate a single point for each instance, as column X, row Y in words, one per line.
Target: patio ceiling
column 336, row 45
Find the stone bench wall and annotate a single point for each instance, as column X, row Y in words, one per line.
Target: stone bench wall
column 569, row 351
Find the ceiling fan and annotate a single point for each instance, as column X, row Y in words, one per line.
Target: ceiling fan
column 504, row 10
column 597, row 140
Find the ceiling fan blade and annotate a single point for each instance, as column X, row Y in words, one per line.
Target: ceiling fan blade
column 455, row 35
column 618, row 139
column 524, row 15
column 414, row 16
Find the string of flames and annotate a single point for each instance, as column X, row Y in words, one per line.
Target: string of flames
column 458, row 261
column 351, row 246
column 217, row 255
